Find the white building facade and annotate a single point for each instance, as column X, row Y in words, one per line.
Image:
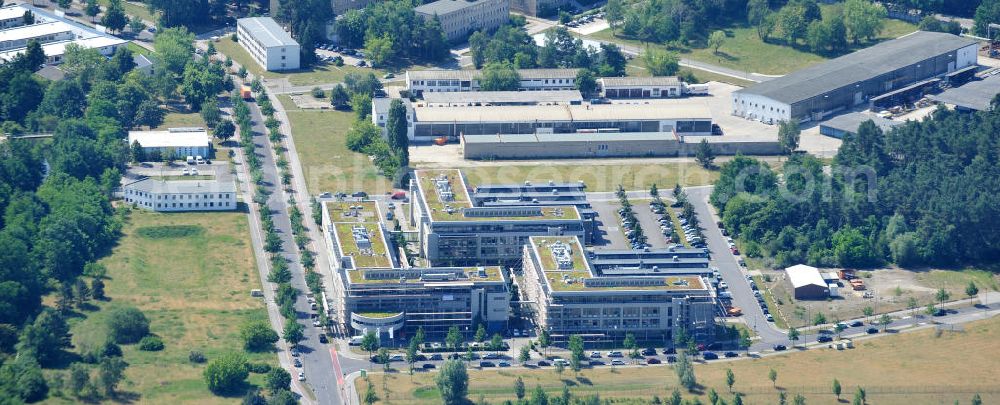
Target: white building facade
column 182, row 195
column 430, row 81
column 269, row 45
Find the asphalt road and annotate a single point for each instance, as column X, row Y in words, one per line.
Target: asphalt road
column 316, row 357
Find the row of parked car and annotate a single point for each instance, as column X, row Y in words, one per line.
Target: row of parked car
column 344, row 51
column 636, row 238
column 585, row 19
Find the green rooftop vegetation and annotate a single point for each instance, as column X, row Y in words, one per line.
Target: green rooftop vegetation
column 376, row 256
column 572, row 278
column 378, row 315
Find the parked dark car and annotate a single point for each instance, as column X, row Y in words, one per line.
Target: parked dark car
column 732, row 354
column 872, row 331
column 670, row 350
column 428, row 366
column 779, row 348
column 652, row 360
column 484, row 364
column 649, row 351
column 671, row 359
column 856, row 324
column 437, row 356
column 824, row 338
column 543, row 363
column 709, row 356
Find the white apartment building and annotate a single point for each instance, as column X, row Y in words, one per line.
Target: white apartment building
column 182, row 141
column 181, row 195
column 18, row 37
column 269, row 45
column 460, row 18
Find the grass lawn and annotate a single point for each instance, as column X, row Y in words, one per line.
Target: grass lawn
column 955, row 281
column 743, row 50
column 176, row 119
column 637, row 67
column 136, row 49
column 893, row 370
column 191, row 274
column 137, row 10
column 598, row 176
column 324, row 73
column 327, row 164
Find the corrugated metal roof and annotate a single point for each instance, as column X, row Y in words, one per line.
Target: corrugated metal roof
column 267, row 31
column 975, row 95
column 801, row 275
column 851, row 121
column 858, row 66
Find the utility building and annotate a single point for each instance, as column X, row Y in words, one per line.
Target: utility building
column 807, row 282
column 890, row 70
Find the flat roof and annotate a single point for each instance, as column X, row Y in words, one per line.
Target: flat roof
column 442, row 7
column 158, row 186
column 572, row 276
column 858, row 66
column 851, row 121
column 346, row 218
column 267, row 31
column 59, row 48
column 11, row 12
column 570, row 137
column 447, row 198
column 34, row 31
column 801, row 275
column 171, row 138
column 639, row 81
column 469, row 74
column 688, row 109
column 553, row 96
column 975, row 95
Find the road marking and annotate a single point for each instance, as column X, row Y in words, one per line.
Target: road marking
column 336, row 365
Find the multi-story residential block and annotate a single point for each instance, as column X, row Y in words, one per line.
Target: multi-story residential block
column 269, row 45
column 453, row 231
column 181, row 142
column 569, row 296
column 460, row 18
column 181, row 195
column 419, row 82
column 382, row 293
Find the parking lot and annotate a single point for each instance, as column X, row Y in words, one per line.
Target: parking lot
column 650, row 224
column 609, row 231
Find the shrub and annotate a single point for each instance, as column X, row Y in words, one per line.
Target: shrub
column 258, row 336
column 196, row 357
column 259, row 368
column 151, row 344
column 278, row 379
column 318, row 92
column 227, row 373
column 127, row 325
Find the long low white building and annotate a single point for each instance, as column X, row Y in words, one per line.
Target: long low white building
column 182, row 142
column 269, row 45
column 54, row 33
column 442, row 80
column 181, row 195
column 687, row 119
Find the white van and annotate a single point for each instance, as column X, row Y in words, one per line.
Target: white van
column 355, row 340
column 190, row 160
